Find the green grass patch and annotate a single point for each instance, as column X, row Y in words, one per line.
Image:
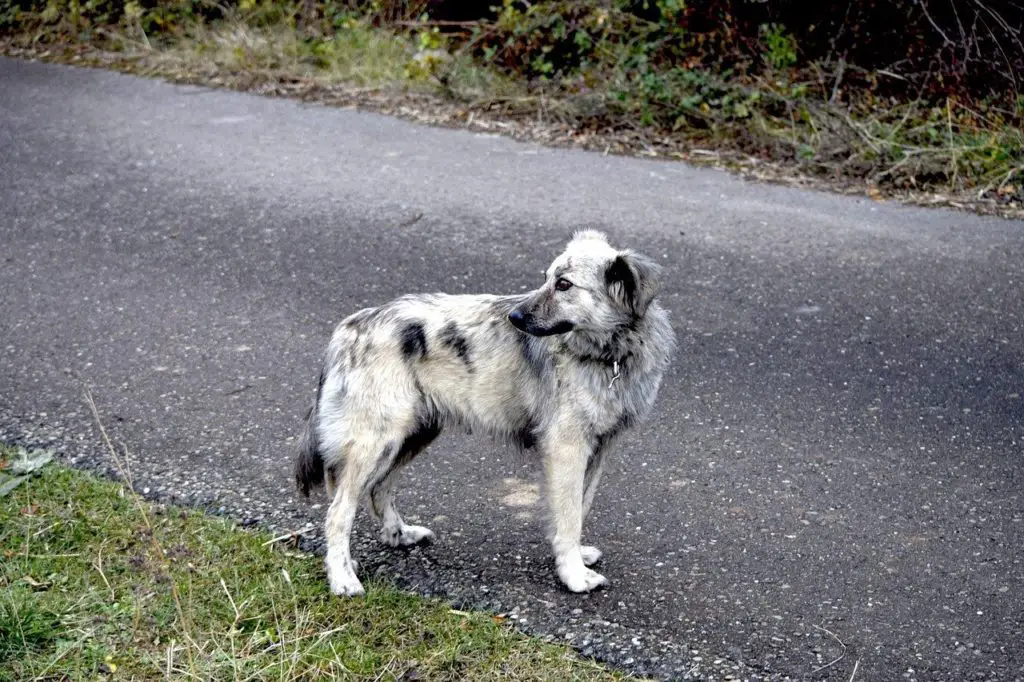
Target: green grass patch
column 96, row 583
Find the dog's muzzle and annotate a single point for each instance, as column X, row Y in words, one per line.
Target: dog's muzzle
column 518, row 319
column 525, row 322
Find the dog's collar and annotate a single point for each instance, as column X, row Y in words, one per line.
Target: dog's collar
column 603, row 359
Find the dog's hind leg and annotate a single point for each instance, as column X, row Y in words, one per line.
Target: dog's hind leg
column 565, row 461
column 361, row 459
column 394, row 531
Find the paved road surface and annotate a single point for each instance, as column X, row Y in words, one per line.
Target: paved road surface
column 834, row 471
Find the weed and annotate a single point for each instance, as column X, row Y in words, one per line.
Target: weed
column 779, row 47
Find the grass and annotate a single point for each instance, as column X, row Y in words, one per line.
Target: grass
column 96, row 584
column 241, row 53
column 361, row 58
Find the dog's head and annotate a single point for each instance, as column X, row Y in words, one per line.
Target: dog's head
column 591, row 287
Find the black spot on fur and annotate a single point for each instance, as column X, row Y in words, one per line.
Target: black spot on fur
column 625, row 421
column 395, row 457
column 414, row 341
column 453, row 338
column 527, row 436
column 416, row 441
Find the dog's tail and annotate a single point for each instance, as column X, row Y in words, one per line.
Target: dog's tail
column 309, row 462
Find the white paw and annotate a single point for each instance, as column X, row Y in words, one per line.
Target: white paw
column 341, row 574
column 581, row 579
column 406, row 536
column 591, row 555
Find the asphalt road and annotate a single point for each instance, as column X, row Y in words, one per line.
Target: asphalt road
column 830, row 487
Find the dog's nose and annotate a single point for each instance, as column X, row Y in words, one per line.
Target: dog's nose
column 517, row 318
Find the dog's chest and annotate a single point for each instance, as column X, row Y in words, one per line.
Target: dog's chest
column 600, row 392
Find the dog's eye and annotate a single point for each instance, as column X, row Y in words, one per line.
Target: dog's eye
column 563, row 284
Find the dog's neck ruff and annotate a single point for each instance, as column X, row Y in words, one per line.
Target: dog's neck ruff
column 614, row 354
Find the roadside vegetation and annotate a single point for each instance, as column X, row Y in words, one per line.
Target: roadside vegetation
column 919, row 98
column 97, row 584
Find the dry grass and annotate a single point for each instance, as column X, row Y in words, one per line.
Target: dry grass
column 357, row 57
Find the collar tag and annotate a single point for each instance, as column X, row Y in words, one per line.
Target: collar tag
column 615, row 369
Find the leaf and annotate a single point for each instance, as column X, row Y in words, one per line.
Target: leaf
column 26, row 462
column 35, row 584
column 10, row 483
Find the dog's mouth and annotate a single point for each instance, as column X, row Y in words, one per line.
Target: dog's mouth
column 525, row 322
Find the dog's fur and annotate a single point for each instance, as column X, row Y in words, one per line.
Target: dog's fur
column 566, row 368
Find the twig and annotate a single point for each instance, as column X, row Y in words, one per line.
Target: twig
column 127, row 463
column 924, row 8
column 1010, row 174
column 385, row 671
column 1013, row 33
column 836, row 660
column 145, row 38
column 291, row 534
column 890, row 74
column 953, row 167
column 118, row 36
column 989, row 187
column 868, row 138
column 54, row 556
column 839, row 79
column 125, row 473
column 854, row 673
column 238, row 614
column 73, row 646
column 99, row 567
column 185, row 625
column 43, row 530
column 440, row 22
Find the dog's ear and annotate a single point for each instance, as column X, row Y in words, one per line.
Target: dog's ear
column 633, row 281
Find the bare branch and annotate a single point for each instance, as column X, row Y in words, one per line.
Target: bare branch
column 924, row 8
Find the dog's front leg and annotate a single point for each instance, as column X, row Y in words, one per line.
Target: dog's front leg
column 566, row 456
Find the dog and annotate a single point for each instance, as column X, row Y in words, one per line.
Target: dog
column 565, row 369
